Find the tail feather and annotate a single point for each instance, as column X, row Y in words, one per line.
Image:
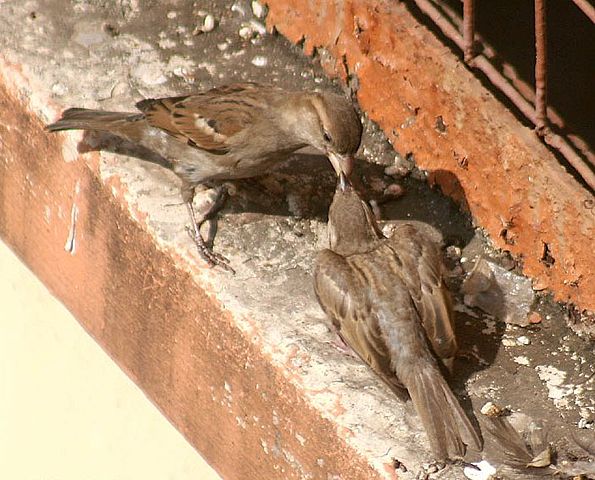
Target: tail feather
column 85, row 119
column 448, row 427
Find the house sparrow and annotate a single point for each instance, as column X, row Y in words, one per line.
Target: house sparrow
column 387, row 299
column 236, row 131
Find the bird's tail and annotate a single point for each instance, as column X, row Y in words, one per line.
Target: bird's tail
column 85, row 119
column 449, row 429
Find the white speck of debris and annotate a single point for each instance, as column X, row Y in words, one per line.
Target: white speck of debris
column 236, row 7
column 554, row 381
column 209, row 67
column 523, row 340
column 59, row 89
column 260, row 61
column 522, row 360
column 47, row 213
column 487, row 407
column 246, row 32
column 227, row 387
column 258, row 27
column 584, row 423
column 463, row 259
column 223, row 46
column 70, row 245
column 551, row 375
column 264, row 446
column 172, row 14
column 258, row 10
column 241, row 422
column 484, row 473
column 509, row 342
column 300, row 439
column 167, row 43
column 208, row 25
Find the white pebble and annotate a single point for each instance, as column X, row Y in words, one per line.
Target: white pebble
column 246, row 32
column 487, row 408
column 208, row 25
column 59, row 89
column 484, row 473
column 260, row 61
column 258, row 27
column 258, row 10
column 522, row 360
column 172, row 15
column 523, row 340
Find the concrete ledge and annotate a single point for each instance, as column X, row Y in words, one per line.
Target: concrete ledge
column 162, row 323
column 482, row 156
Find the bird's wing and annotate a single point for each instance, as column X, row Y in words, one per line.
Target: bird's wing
column 345, row 298
column 421, row 269
column 207, row 120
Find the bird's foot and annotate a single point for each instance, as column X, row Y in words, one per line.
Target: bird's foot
column 459, row 462
column 206, row 253
column 429, row 469
column 343, row 346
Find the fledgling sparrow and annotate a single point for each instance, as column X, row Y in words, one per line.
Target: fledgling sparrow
column 387, row 299
column 235, row 131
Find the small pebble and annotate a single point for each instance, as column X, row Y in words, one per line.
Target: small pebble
column 485, row 471
column 523, row 340
column 246, row 32
column 258, row 10
column 394, row 190
column 208, row 25
column 534, row 318
column 522, row 360
column 490, row 409
column 260, row 61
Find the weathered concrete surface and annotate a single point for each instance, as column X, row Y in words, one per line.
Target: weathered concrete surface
column 482, row 156
column 242, row 365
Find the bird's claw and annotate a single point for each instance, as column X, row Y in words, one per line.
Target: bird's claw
column 429, row 469
column 213, row 259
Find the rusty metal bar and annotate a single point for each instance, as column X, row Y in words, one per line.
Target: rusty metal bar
column 587, row 8
column 568, row 147
column 540, row 67
column 447, row 28
column 469, row 29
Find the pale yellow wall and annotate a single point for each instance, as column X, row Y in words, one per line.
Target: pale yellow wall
column 66, row 411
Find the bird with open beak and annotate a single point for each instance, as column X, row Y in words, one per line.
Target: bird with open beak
column 230, row 132
column 388, row 302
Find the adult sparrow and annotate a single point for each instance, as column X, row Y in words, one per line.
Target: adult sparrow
column 388, row 301
column 235, row 131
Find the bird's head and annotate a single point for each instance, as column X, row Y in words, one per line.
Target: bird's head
column 329, row 123
column 352, row 227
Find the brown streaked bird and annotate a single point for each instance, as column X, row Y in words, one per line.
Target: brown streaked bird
column 387, row 299
column 235, row 131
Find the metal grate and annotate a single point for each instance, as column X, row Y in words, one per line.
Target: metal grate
column 531, row 101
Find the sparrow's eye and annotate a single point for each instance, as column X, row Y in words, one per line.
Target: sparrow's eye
column 326, row 136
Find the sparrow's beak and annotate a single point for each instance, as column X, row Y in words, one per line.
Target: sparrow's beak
column 343, row 182
column 341, row 163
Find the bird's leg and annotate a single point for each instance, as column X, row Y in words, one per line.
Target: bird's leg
column 204, row 250
column 427, row 470
column 340, row 344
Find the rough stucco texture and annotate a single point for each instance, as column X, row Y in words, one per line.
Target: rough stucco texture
column 484, row 158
